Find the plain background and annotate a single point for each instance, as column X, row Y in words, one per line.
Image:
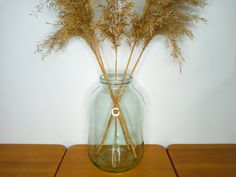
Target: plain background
column 46, row 101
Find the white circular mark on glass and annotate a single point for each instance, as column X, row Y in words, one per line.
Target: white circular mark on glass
column 115, row 112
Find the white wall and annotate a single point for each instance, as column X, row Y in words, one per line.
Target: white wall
column 46, row 101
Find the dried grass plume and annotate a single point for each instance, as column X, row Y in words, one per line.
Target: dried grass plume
column 118, row 22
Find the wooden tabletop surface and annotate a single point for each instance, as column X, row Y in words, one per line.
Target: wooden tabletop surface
column 30, row 160
column 204, row 160
column 187, row 160
column 155, row 163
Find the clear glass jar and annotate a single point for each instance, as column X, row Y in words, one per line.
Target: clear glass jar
column 115, row 142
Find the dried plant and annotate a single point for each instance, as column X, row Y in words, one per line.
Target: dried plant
column 168, row 18
column 75, row 19
column 114, row 21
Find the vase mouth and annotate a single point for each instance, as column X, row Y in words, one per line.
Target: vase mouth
column 119, row 80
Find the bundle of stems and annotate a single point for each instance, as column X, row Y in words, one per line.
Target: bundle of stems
column 119, row 23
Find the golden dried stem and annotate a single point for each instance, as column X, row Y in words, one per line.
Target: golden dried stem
column 124, row 133
column 127, row 65
column 123, row 124
column 98, row 51
column 126, row 69
column 105, row 134
column 122, row 120
column 107, row 129
column 101, row 64
column 136, row 64
column 125, row 130
column 116, row 65
column 121, row 93
column 116, row 130
column 99, row 60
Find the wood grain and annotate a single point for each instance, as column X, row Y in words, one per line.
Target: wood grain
column 204, row 160
column 155, row 163
column 30, row 160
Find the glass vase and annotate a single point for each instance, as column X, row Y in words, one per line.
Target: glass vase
column 115, row 141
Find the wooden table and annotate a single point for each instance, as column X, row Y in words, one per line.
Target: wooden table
column 155, row 163
column 203, row 160
column 30, row 160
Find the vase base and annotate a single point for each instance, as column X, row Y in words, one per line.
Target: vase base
column 115, row 160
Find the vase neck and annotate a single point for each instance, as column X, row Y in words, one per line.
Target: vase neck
column 119, row 79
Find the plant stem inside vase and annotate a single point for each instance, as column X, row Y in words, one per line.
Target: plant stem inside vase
column 119, row 140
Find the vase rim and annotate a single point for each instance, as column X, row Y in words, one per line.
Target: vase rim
column 116, row 81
